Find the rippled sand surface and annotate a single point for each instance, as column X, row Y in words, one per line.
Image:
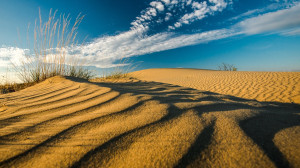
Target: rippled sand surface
column 67, row 122
column 262, row 86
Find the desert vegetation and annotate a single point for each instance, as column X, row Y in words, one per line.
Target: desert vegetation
column 121, row 71
column 227, row 67
column 7, row 86
column 51, row 42
column 13, row 87
column 49, row 54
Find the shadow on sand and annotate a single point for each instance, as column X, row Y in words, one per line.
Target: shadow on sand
column 272, row 117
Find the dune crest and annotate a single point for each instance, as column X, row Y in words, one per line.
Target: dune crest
column 67, row 122
column 262, row 86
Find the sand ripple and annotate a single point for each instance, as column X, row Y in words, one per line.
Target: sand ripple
column 65, row 122
column 262, row 86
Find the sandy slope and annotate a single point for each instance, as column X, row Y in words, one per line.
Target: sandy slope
column 262, row 86
column 65, row 122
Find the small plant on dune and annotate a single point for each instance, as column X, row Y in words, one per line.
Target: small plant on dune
column 52, row 40
column 115, row 75
column 121, row 71
column 227, row 67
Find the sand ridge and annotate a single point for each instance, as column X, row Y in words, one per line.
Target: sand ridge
column 67, row 122
column 262, row 86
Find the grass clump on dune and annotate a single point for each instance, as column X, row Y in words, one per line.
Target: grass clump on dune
column 116, row 75
column 121, row 71
column 53, row 39
column 227, row 67
column 7, row 86
column 13, row 87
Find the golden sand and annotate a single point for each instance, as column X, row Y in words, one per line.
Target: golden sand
column 66, row 122
column 262, row 86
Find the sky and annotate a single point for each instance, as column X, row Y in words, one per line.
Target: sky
column 256, row 35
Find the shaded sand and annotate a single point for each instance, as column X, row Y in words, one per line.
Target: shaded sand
column 66, row 122
column 262, row 86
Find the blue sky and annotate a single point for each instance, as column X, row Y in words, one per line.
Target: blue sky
column 256, row 35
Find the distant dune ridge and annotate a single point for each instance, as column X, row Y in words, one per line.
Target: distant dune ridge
column 68, row 122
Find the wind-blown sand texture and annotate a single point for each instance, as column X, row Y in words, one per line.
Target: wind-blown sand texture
column 67, row 122
column 262, row 86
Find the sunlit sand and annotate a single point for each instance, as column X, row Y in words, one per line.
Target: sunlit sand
column 164, row 118
column 262, row 86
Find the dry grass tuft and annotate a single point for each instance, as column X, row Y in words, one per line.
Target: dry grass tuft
column 121, row 71
column 8, row 87
column 13, row 87
column 52, row 39
column 227, row 67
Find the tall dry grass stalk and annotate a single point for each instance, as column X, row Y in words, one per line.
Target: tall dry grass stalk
column 52, row 40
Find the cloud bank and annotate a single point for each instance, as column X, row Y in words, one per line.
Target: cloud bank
column 190, row 10
column 9, row 55
column 104, row 51
column 286, row 21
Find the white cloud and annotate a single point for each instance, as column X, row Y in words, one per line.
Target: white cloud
column 177, row 24
column 174, row 2
column 292, row 32
column 219, row 5
column 270, row 8
column 162, row 10
column 158, row 5
column 104, row 51
column 200, row 11
column 167, row 2
column 246, row 14
column 188, row 2
column 171, row 27
column 273, row 22
column 8, row 76
column 142, row 22
column 168, row 16
column 9, row 55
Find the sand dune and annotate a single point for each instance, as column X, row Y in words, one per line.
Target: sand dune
column 67, row 122
column 262, row 86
